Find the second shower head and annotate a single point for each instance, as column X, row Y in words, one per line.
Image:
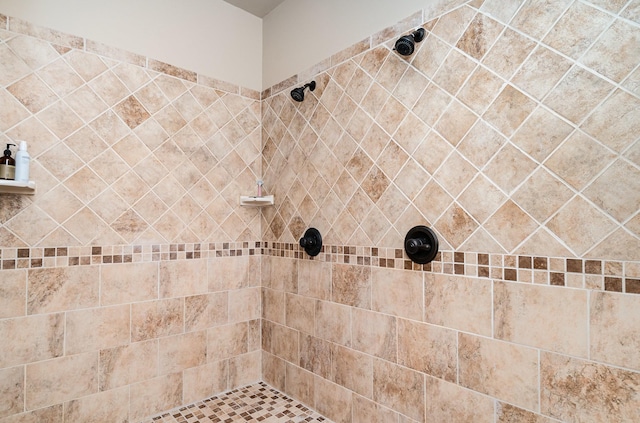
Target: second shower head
column 298, row 93
column 406, row 44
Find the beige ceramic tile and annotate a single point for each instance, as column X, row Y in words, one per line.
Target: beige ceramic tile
column 33, row 93
column 353, row 370
column 428, row 349
column 53, row 414
column 13, row 293
column 577, row 94
column 616, row 42
column 180, row 352
column 351, row 285
column 227, row 341
column 62, row 289
column 502, row 370
column 228, row 273
column 154, row 319
column 579, row 159
column 128, row 364
column 399, row 388
column 578, row 390
column 507, row 413
column 613, row 196
column 283, row 342
column 479, row 36
column 541, row 207
column 550, row 318
column 510, row 225
column 453, row 72
column 111, row 405
column 155, row 395
column 580, row 225
column 273, row 305
column 300, row 384
column 283, row 274
column 622, row 108
column 73, row 376
column 448, row 402
column 315, row 356
column 300, row 313
column 182, row 278
column 375, row 334
column 12, row 391
column 46, row 330
column 455, row 122
column 97, row 329
column 332, row 401
column 509, row 168
column 508, row 53
column 456, row 225
column 535, row 18
column 244, row 304
column 365, row 411
column 126, row 283
column 204, row 381
column 245, row 369
column 458, row 303
column 480, row 89
column 453, row 24
column 481, row 198
column 314, row 279
column 398, row 293
column 333, row 322
column 612, row 331
column 577, row 29
column 540, row 72
column 509, row 110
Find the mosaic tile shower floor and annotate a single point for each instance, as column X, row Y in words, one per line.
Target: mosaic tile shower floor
column 254, row 403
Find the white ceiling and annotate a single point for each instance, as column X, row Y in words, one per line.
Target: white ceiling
column 260, row 8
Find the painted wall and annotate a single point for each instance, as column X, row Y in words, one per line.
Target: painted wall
column 209, row 37
column 513, row 133
column 301, row 33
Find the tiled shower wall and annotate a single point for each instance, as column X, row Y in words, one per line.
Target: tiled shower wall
column 512, row 131
column 125, row 287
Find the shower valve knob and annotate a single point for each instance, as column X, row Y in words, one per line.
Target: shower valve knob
column 415, row 245
column 311, row 241
column 421, row 244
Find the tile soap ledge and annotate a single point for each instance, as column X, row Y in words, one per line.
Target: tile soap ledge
column 16, row 187
column 253, row 201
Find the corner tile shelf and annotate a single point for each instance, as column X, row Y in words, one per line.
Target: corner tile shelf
column 251, row 201
column 13, row 187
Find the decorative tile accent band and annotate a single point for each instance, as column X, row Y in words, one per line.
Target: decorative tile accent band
column 607, row 275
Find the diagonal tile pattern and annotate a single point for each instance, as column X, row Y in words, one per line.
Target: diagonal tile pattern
column 498, row 126
column 136, row 154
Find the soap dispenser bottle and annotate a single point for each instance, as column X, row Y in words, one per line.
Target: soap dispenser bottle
column 7, row 165
column 22, row 163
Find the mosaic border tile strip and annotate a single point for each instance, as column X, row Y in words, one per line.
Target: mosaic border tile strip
column 258, row 402
column 607, row 275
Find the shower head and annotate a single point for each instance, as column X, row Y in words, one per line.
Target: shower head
column 406, row 44
column 298, row 93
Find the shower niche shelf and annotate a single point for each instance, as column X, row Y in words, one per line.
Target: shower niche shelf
column 15, row 187
column 253, row 201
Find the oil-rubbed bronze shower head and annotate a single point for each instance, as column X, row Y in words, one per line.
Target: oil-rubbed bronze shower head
column 406, row 44
column 298, row 93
